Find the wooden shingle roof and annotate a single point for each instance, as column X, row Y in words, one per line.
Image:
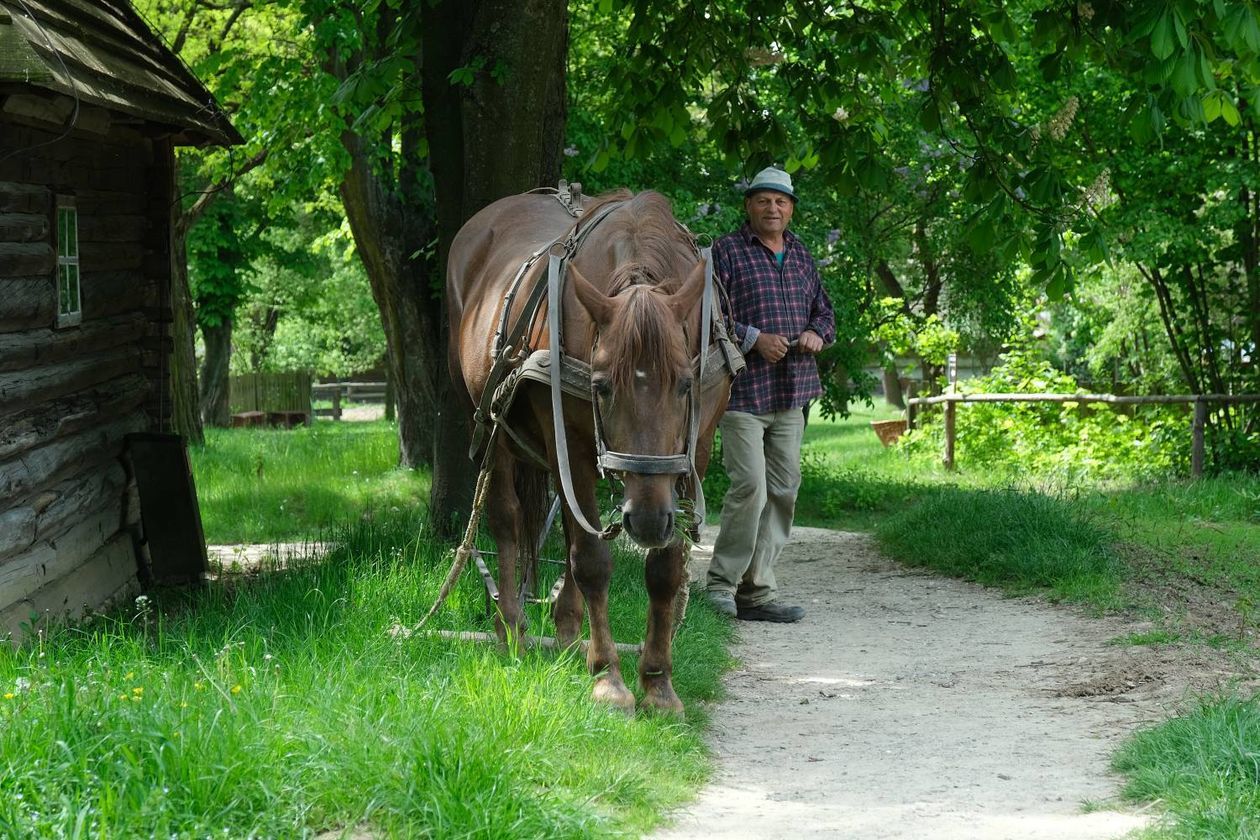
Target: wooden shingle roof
column 102, row 52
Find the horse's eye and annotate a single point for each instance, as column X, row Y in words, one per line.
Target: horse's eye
column 684, row 387
column 600, row 385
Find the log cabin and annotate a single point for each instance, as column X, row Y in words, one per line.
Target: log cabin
column 92, row 107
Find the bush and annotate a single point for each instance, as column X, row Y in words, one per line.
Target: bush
column 1068, row 440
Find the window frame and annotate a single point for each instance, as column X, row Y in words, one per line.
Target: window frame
column 68, row 262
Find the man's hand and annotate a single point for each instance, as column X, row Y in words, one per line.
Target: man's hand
column 771, row 347
column 810, row 342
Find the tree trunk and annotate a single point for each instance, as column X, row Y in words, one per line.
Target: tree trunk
column 215, row 406
column 892, row 388
column 520, row 95
column 387, row 234
column 185, row 401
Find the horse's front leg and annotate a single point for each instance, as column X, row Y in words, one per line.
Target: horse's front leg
column 592, row 564
column 665, row 573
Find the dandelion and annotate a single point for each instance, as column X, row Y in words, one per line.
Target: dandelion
column 236, row 689
column 122, row 696
column 138, row 690
column 131, row 675
column 198, row 686
column 9, row 695
column 23, row 684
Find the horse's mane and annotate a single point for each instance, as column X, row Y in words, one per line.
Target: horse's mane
column 649, row 251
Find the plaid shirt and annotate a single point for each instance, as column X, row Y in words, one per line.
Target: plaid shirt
column 766, row 298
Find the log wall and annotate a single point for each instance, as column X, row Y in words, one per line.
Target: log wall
column 69, row 396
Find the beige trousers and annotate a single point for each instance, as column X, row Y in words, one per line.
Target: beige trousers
column 762, row 454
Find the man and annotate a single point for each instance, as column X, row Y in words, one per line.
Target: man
column 781, row 317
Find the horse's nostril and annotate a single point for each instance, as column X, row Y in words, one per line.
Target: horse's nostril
column 669, row 526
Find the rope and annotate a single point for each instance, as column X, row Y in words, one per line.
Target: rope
column 465, row 550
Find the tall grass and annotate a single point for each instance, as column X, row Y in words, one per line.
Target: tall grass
column 284, row 706
column 270, row 485
column 1203, row 767
column 1018, row 540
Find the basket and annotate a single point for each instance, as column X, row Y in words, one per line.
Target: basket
column 888, row 431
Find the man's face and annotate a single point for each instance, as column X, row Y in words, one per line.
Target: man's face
column 769, row 212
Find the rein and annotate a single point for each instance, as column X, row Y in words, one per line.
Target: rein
column 505, row 376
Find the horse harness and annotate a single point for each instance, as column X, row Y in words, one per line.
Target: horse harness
column 513, row 364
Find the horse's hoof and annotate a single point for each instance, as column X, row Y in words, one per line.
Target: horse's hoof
column 613, row 694
column 663, row 701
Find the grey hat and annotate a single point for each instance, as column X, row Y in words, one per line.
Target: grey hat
column 771, row 178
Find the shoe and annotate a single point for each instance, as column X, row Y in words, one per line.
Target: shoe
column 723, row 602
column 771, row 611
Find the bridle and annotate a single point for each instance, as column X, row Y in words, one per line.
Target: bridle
column 607, row 460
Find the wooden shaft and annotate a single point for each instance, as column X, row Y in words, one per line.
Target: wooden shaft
column 951, row 409
column 530, row 641
column 912, row 406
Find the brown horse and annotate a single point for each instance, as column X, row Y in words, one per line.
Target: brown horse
column 631, row 311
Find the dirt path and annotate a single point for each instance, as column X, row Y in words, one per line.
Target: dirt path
column 907, row 705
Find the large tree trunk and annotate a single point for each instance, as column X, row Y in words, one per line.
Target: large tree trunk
column 499, row 136
column 185, row 399
column 388, row 232
column 215, row 404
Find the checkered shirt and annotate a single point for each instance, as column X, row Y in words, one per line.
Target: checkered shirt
column 766, row 298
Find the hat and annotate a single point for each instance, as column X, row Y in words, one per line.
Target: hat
column 771, row 178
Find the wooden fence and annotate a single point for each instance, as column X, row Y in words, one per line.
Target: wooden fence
column 1197, row 426
column 340, row 392
column 271, row 394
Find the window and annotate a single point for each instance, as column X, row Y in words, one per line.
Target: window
column 69, row 301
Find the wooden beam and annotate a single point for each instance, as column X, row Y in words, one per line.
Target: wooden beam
column 1159, row 399
column 548, row 642
column 1197, row 447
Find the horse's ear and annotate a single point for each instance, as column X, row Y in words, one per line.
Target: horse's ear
column 684, row 300
column 597, row 304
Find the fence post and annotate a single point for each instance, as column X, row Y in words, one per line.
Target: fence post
column 1197, row 444
column 912, row 408
column 336, row 415
column 951, row 408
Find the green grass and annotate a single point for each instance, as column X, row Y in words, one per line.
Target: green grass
column 1018, row 540
column 282, row 706
column 269, row 485
column 1204, row 769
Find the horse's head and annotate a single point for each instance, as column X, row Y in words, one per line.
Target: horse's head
column 641, row 382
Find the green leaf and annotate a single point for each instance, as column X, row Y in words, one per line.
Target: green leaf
column 1229, row 111
column 1162, row 37
column 1184, row 77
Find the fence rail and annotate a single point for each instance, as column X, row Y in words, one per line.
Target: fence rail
column 351, row 392
column 1197, row 427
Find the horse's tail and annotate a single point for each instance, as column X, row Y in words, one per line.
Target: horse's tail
column 533, row 493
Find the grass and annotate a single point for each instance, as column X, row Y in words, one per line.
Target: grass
column 1203, row 767
column 269, row 485
column 283, row 706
